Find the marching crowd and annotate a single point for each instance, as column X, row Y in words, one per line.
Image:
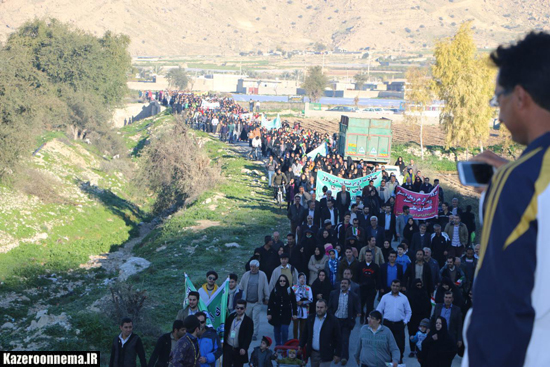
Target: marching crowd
column 342, row 256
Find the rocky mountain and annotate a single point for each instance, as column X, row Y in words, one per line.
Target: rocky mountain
column 216, row 27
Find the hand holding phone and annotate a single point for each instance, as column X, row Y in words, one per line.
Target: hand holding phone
column 475, row 174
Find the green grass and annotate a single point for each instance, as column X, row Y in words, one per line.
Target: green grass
column 102, row 217
column 206, row 66
column 433, row 162
column 245, row 214
column 44, row 138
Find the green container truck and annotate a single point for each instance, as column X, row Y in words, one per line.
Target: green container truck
column 367, row 139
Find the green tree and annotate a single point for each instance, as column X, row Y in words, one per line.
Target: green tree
column 464, row 81
column 86, row 74
column 360, row 80
column 418, row 96
column 178, row 78
column 22, row 108
column 315, row 83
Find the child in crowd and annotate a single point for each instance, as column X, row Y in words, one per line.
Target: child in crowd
column 419, row 337
column 262, row 355
column 402, row 259
column 291, row 359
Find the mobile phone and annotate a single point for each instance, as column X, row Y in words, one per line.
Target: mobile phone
column 475, row 174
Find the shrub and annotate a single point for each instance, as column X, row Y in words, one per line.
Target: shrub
column 175, row 168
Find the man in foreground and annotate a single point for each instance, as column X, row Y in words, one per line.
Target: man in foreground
column 187, row 352
column 516, row 227
column 165, row 344
column 127, row 346
column 376, row 343
column 321, row 336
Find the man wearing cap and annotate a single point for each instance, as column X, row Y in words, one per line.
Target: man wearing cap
column 296, row 213
column 187, row 351
column 343, row 201
column 256, row 292
column 210, row 287
column 286, row 269
column 237, row 337
column 330, row 213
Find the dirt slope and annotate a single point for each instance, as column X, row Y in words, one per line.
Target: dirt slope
column 165, row 27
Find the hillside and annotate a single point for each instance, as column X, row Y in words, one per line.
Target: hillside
column 217, row 27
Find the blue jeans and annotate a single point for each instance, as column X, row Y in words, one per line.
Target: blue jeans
column 270, row 175
column 281, row 334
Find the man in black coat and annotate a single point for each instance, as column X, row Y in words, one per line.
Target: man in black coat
column 418, row 269
column 337, row 303
column 321, row 336
column 328, row 197
column 296, row 213
column 125, row 354
column 315, row 213
column 330, row 212
column 386, row 273
column 374, row 230
column 387, row 221
column 364, row 217
column 419, row 240
column 161, row 354
column 452, row 314
column 237, row 337
column 343, row 201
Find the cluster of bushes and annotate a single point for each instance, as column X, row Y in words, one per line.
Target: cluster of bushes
column 55, row 77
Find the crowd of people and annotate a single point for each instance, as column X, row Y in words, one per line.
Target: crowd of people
column 345, row 261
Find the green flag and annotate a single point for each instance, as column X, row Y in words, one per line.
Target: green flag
column 217, row 305
column 189, row 287
column 215, row 308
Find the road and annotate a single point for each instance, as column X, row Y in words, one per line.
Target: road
column 267, row 330
column 374, row 102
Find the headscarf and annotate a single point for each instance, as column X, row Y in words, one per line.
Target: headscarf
column 321, row 253
column 283, row 291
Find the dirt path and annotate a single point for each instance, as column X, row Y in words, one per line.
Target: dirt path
column 113, row 260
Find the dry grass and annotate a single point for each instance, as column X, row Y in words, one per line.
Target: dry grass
column 41, row 184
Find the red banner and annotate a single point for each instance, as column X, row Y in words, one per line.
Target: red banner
column 422, row 206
